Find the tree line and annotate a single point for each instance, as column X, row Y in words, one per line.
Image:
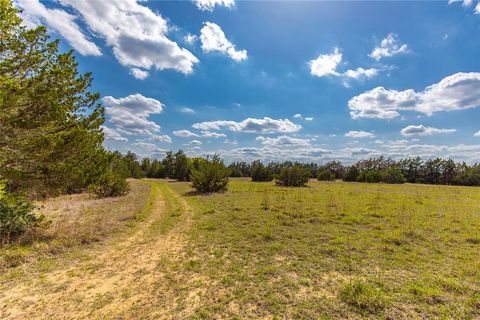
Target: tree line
column 381, row 169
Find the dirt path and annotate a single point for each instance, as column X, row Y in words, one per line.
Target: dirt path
column 125, row 278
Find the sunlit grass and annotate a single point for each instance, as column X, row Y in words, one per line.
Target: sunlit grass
column 337, row 250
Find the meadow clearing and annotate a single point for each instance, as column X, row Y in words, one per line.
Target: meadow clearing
column 332, row 250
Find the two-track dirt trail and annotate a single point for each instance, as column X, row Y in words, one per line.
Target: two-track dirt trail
column 130, row 277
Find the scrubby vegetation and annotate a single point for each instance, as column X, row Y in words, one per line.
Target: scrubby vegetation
column 334, row 251
column 295, row 176
column 259, row 172
column 386, row 170
column 325, row 175
column 16, row 217
column 209, row 175
column 50, row 123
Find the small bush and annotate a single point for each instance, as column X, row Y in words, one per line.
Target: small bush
column 325, row 175
column 211, row 175
column 110, row 184
column 16, row 217
column 295, row 176
column 392, row 175
column 370, row 176
column 352, row 174
column 364, row 297
column 260, row 172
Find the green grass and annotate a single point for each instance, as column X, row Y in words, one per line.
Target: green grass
column 335, row 250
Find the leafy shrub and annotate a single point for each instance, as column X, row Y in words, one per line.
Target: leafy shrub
column 209, row 175
column 325, row 175
column 365, row 297
column 260, row 172
column 110, row 184
column 471, row 177
column 392, row 175
column 16, row 217
column 370, row 176
column 295, row 176
column 352, row 174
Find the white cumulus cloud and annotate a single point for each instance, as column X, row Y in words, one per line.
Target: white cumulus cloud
column 35, row 13
column 455, row 92
column 477, row 134
column 212, row 134
column 213, row 39
column 284, row 141
column 359, row 134
column 265, row 125
column 139, row 73
column 161, row 138
column 136, row 34
column 112, row 134
column 389, row 47
column 209, row 5
column 130, row 114
column 184, row 134
column 326, row 64
column 421, row 130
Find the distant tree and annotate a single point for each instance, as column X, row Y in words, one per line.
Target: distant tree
column 392, row 175
column 433, row 171
column 156, row 170
column 260, row 172
column 134, row 167
column 468, row 177
column 335, row 167
column 352, row 174
column 411, row 168
column 448, row 171
column 181, row 168
column 145, row 165
column 209, row 175
column 325, row 175
column 168, row 164
column 293, row 176
column 371, row 176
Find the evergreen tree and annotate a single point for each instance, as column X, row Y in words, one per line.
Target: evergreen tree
column 181, row 169
column 50, row 123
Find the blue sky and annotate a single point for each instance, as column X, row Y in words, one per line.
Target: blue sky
column 309, row 81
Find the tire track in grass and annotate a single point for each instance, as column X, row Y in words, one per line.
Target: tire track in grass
column 128, row 278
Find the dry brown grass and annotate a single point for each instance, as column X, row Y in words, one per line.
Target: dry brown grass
column 74, row 220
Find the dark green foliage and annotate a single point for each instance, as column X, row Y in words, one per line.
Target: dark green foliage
column 240, row 169
column 110, row 184
column 325, row 175
column 181, row 168
column 469, row 177
column 168, row 164
column 352, row 174
column 156, row 170
column 294, row 176
column 133, row 166
column 209, row 175
column 260, row 173
column 335, row 167
column 50, row 123
column 392, row 175
column 16, row 217
column 370, row 176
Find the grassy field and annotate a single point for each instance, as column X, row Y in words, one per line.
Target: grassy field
column 332, row 250
column 337, row 250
